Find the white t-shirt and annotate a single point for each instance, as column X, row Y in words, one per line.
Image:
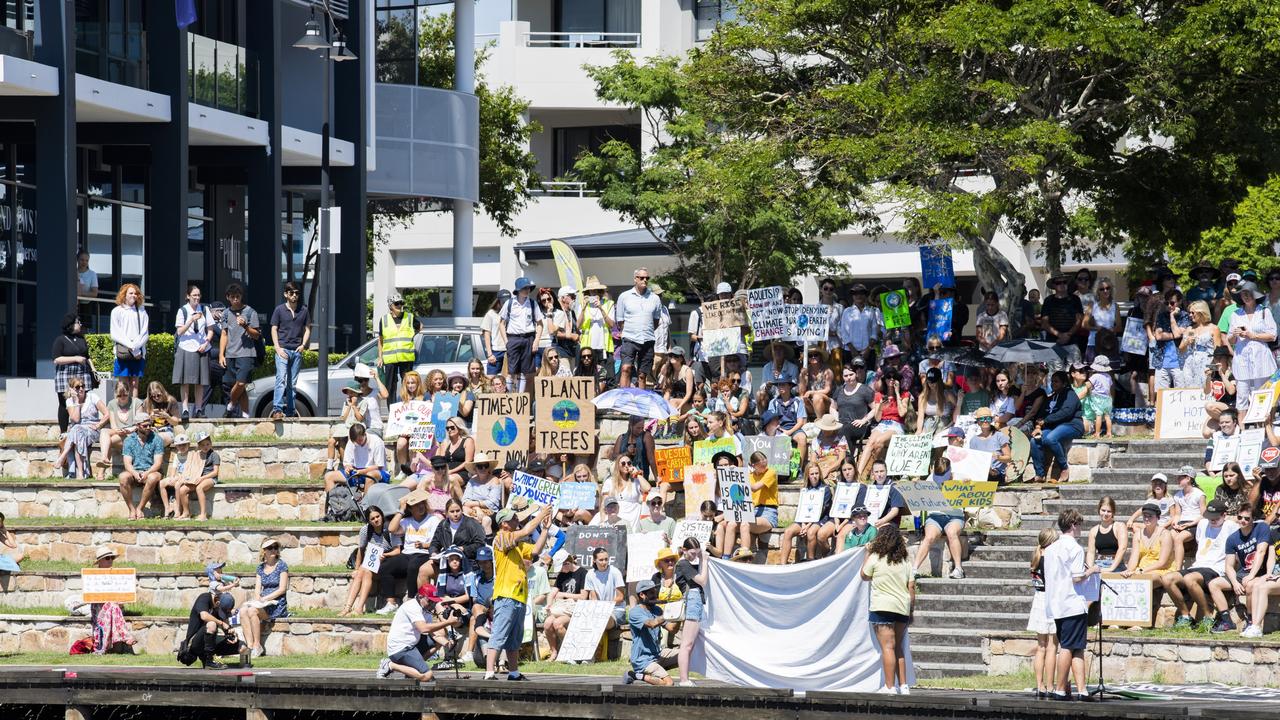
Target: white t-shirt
column 372, row 454
column 194, row 337
column 1211, row 545
column 606, row 583
column 1188, row 504
column 497, row 341
column 1063, row 560
column 417, row 531
column 87, row 282
column 403, row 635
column 522, row 316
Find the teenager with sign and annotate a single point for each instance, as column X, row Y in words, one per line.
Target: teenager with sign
column 388, row 545
column 809, row 531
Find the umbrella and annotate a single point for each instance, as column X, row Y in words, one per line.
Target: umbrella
column 634, row 401
column 1028, row 351
column 972, row 357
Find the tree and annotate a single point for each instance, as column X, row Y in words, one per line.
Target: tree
column 728, row 206
column 1250, row 238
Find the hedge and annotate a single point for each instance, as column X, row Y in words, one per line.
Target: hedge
column 160, row 358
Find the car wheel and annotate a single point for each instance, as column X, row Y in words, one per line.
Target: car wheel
column 303, row 406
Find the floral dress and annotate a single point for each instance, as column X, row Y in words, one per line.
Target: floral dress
column 269, row 582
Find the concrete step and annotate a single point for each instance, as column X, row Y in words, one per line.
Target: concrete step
column 987, row 620
column 17, row 433
column 948, row 637
column 1001, row 554
column 1169, row 461
column 1093, row 491
column 973, row 586
column 1022, row 538
column 1152, row 446
column 983, row 603
column 1124, row 507
column 1015, row 569
column 226, row 501
column 286, row 458
column 935, row 655
column 931, row 670
column 311, row 545
column 1140, row 477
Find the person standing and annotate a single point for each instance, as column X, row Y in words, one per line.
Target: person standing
column 217, row 370
column 290, row 334
column 396, row 331
column 567, row 335
column 521, row 322
column 86, row 286
column 130, row 331
column 192, row 340
column 1065, row 602
column 237, row 349
column 70, row 361
column 661, row 338
column 511, row 583
column 493, row 340
column 1251, row 332
column 638, row 311
column 1062, row 315
column 859, row 326
column 893, row 598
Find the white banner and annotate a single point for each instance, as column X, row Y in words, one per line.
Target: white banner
column 585, row 627
column 810, row 508
column 908, row 455
column 807, row 322
column 700, row 529
column 642, row 550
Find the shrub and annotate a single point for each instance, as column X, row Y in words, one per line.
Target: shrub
column 160, row 358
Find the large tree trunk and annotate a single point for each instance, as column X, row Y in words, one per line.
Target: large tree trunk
column 995, row 272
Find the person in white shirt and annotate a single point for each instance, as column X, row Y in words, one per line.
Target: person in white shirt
column 193, row 338
column 86, row 279
column 412, row 639
column 661, row 338
column 638, row 310
column 495, row 343
column 1210, row 563
column 605, row 582
column 364, row 461
column 859, row 326
column 1064, row 575
column 521, row 322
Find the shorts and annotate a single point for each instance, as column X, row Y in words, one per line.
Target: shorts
column 356, row 480
column 413, row 657
column 1095, row 406
column 1207, row 575
column 694, row 608
column 888, row 426
column 620, row 616
column 636, row 354
column 1071, row 631
column 768, row 512
column 667, row 658
column 508, row 617
column 133, row 367
column 495, row 368
column 238, row 370
column 520, row 354
column 884, row 617
column 1037, row 621
column 942, row 521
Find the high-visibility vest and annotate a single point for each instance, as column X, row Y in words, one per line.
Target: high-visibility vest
column 397, row 339
column 606, row 308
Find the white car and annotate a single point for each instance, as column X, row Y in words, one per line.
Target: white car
column 447, row 348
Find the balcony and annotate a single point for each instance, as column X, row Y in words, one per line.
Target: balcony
column 222, row 76
column 565, row 188
column 581, row 39
column 546, row 68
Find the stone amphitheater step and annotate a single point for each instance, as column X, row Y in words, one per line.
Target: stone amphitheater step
column 18, row 432
column 1021, row 538
column 310, row 545
column 1092, row 492
column 977, row 619
column 1010, row 567
column 984, row 604
column 1140, row 477
column 1167, row 462
column 989, row 587
column 239, row 501
column 933, row 670
column 946, row 637
column 1124, row 508
column 270, row 460
column 1162, row 446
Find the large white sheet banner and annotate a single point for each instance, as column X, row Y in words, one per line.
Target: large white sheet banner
column 798, row 626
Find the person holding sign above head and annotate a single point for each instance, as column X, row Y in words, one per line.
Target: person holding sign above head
column 637, row 311
column 511, row 583
column 649, row 661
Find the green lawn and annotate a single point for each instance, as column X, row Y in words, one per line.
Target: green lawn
column 169, row 524
column 1014, row 682
column 33, row 567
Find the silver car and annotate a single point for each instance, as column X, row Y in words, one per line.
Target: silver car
column 448, row 348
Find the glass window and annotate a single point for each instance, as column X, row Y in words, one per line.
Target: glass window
column 597, row 16
column 25, row 233
column 369, row 354
column 710, row 13
column 6, row 232
column 467, row 347
column 397, row 43
column 99, row 242
column 133, row 242
column 24, row 320
column 570, row 143
column 435, row 348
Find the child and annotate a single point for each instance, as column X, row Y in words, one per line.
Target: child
column 1159, row 495
column 861, row 532
column 1097, row 406
column 1080, row 384
column 1039, row 623
column 177, row 473
column 698, row 405
column 790, row 409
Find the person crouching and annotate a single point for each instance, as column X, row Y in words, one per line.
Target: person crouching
column 413, row 638
column 649, row 660
column 210, row 619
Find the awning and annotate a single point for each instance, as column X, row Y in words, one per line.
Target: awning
column 634, row 242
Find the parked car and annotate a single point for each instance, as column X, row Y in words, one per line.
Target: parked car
column 448, row 348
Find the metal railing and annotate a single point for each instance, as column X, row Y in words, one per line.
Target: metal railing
column 565, row 188
column 582, row 39
column 221, row 75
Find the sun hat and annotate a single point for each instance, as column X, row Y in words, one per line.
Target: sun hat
column 415, row 497
column 352, row 388
column 482, row 458
column 270, row 542
column 524, row 282
column 181, row 439
column 199, row 436
column 1101, row 363
column 105, row 551
column 593, row 283
column 829, row 422
column 723, row 287
column 665, row 553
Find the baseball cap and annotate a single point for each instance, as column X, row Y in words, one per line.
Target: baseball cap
column 1151, row 509
column 724, row 287
column 645, row 586
column 1187, row 470
column 484, row 553
column 504, row 295
column 511, row 466
column 429, row 592
column 1233, row 276
column 611, row 500
column 768, row 417
column 955, row 432
column 1160, row 478
column 1215, row 510
column 395, row 298
column 523, row 282
column 566, row 291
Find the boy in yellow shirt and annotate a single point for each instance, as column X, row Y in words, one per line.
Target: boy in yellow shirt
column 511, row 558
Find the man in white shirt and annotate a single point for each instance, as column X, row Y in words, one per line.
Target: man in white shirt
column 363, row 462
column 1065, row 603
column 859, row 325
column 638, row 311
column 520, row 321
column 1210, row 564
column 411, row 639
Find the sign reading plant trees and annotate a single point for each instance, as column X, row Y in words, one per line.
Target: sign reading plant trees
column 566, row 417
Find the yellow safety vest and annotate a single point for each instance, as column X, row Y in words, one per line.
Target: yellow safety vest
column 397, row 339
column 606, row 307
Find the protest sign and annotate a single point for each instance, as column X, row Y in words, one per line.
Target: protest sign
column 776, row 447
column 372, row 558
column 894, row 308
column 100, row 585
column 585, row 628
column 970, row 493
column 908, row 455
column 502, row 423
column 721, row 341
column 642, row 550
column 875, row 498
column 1260, row 403
column 735, row 494
column 1130, row 605
column 1134, row 341
column 581, row 540
column 969, row 464
column 699, row 487
column 443, row 407
column 700, row 529
column 810, row 323
column 721, row 314
column 764, row 306
column 940, row 317
column 577, row 496
column 566, row 419
column 936, row 267
column 704, row 450
column 422, row 436
column 538, row 491
column 1250, row 450
column 923, row 496
column 810, row 508
column 843, row 504
column 671, row 463
column 402, row 417
column 1179, row 413
column 1270, row 455
column 1225, row 450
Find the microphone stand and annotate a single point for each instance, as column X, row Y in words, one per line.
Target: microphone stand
column 1101, row 691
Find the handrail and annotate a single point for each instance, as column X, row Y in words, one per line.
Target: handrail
column 565, row 188
column 582, row 39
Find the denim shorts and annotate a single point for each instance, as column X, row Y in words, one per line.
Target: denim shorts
column 356, row 480
column 508, row 624
column 942, row 521
column 884, row 617
column 413, row 657
column 768, row 513
column 694, row 609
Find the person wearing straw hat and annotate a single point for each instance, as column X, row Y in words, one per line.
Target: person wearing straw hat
column 110, row 631
column 270, row 600
column 595, row 335
column 511, row 581
column 830, row 447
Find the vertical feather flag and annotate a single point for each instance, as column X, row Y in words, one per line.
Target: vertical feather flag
column 185, row 11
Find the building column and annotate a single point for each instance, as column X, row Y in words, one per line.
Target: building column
column 353, row 90
column 262, row 21
column 464, row 65
column 167, row 271
column 55, row 45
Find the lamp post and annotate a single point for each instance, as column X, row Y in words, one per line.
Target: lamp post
column 318, row 37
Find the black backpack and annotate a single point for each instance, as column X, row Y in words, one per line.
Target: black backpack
column 341, row 505
column 185, row 656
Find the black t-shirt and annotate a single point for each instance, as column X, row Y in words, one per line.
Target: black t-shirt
column 571, row 582
column 64, row 346
column 685, row 574
column 853, row 406
column 1061, row 312
column 204, row 604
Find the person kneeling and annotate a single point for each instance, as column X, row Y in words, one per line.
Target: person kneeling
column 412, row 639
column 209, row 617
column 649, row 660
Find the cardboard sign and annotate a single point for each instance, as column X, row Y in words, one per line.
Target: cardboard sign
column 539, row 491
column 585, row 628
column 704, row 450
column 722, row 314
column 894, row 307
column 1134, row 341
column 807, row 322
column 699, row 487
column 1179, row 413
column 566, row 420
column 735, row 494
column 700, row 529
column 810, row 508
column 764, row 307
column 721, row 341
column 372, row 558
column 875, row 498
column 100, row 585
column 642, row 550
column 776, row 447
column 577, row 496
column 845, row 500
column 970, row 493
column 1250, row 451
column 936, row 267
column 671, row 463
column 1225, row 450
column 502, row 424
column 402, row 417
column 443, row 407
column 940, row 317
column 422, row 436
column 1130, row 604
column 969, row 464
column 1259, row 407
column 909, row 455
column 581, row 540
column 923, row 496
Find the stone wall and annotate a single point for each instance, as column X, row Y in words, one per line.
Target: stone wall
column 102, row 500
column 296, row 429
column 313, row 546
column 294, row 461
column 172, row 590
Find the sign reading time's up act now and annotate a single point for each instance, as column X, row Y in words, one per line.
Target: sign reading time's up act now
column 566, row 417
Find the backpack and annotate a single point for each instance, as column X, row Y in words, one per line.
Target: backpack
column 341, row 505
column 185, row 656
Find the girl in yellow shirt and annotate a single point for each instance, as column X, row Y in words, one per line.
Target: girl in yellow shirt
column 764, row 498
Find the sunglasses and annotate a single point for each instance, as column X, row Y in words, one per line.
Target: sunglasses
column 642, row 277
column 295, row 292
column 828, row 288
column 655, row 503
column 1245, row 518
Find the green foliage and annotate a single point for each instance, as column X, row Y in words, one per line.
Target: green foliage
column 160, row 350
column 1251, row 237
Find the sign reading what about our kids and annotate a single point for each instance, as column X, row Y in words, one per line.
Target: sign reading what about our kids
column 566, row 417
column 970, row 493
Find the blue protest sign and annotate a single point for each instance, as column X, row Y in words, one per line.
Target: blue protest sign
column 444, row 406
column 577, row 496
column 936, row 267
column 940, row 317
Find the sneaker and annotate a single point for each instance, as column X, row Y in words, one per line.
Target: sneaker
column 685, row 683
column 1253, row 631
column 211, row 664
column 258, row 652
column 957, row 574
column 384, row 668
column 1224, row 624
column 628, row 677
column 517, row 677
column 887, row 690
column 1182, row 622
column 1055, row 695
column 387, row 609
column 244, row 415
column 445, row 665
column 490, row 676
column 200, row 412
column 277, row 415
column 904, row 690
column 186, row 416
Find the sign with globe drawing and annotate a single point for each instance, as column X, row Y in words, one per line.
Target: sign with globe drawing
column 566, row 417
column 502, row 424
